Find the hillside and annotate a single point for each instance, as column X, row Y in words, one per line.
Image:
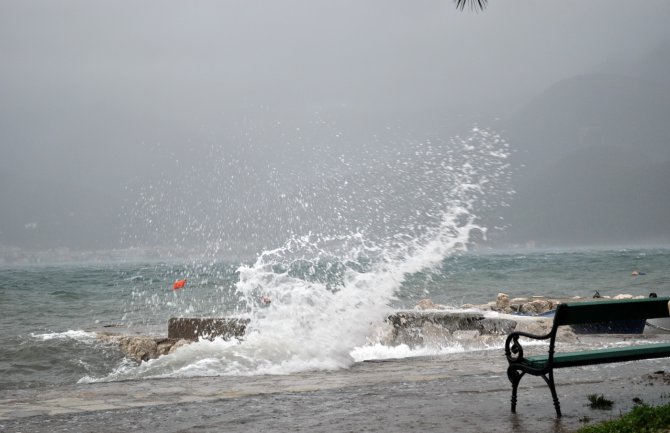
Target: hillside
column 593, row 153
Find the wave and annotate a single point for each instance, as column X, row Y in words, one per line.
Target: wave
column 315, row 302
column 78, row 335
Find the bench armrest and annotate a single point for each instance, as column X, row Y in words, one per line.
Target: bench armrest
column 513, row 348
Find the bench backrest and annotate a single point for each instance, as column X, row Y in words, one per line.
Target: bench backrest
column 607, row 310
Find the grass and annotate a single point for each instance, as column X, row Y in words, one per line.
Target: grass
column 599, row 402
column 642, row 419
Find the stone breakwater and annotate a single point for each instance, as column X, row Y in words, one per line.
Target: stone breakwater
column 427, row 324
column 194, row 329
column 181, row 331
column 411, row 328
column 143, row 348
column 438, row 328
column 538, row 305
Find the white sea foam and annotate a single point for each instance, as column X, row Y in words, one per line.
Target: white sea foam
column 314, row 322
column 79, row 335
column 380, row 351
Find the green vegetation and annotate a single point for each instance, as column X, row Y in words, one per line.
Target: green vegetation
column 642, row 419
column 599, row 402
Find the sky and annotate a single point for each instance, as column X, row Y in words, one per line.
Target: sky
column 105, row 106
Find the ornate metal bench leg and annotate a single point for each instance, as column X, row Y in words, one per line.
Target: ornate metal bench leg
column 552, row 388
column 514, row 377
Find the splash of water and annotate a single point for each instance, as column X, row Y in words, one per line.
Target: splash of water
column 328, row 292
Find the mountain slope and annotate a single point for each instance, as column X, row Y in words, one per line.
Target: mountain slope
column 593, row 153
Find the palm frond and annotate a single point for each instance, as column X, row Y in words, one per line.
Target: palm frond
column 475, row 5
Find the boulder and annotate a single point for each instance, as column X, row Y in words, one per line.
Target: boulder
column 537, row 307
column 178, row 344
column 519, row 300
column 139, row 348
column 502, row 303
column 164, row 345
column 428, row 304
column 142, row 348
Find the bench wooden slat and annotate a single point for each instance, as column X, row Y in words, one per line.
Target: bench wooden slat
column 604, row 311
column 599, row 356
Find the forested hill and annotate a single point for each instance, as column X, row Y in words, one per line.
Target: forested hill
column 594, row 158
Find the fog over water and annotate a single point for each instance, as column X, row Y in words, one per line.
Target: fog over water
column 240, row 124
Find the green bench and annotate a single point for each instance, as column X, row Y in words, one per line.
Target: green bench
column 591, row 312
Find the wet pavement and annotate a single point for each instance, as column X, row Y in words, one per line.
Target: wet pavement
column 465, row 392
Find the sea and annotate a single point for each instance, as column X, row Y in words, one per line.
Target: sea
column 379, row 241
column 322, row 315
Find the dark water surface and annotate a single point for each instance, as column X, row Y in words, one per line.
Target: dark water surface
column 454, row 393
column 50, row 314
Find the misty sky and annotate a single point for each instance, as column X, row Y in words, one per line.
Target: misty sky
column 101, row 100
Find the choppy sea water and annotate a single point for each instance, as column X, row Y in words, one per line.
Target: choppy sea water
column 372, row 244
column 51, row 314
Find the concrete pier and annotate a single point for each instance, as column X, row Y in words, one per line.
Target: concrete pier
column 194, row 329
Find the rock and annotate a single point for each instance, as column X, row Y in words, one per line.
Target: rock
column 527, row 308
column 164, row 345
column 537, row 307
column 193, row 329
column 142, row 348
column 502, row 303
column 427, row 304
column 108, row 338
column 178, row 344
column 139, row 348
column 519, row 300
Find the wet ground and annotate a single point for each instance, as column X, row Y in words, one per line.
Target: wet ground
column 467, row 392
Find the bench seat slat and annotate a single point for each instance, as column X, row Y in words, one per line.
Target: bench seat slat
column 616, row 354
column 604, row 311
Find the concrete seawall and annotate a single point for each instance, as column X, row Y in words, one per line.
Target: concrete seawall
column 413, row 328
column 402, row 323
column 195, row 329
column 428, row 324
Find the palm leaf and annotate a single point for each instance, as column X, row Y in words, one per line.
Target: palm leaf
column 474, row 4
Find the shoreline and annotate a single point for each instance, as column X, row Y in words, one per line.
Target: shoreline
column 464, row 392
column 427, row 323
column 461, row 392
